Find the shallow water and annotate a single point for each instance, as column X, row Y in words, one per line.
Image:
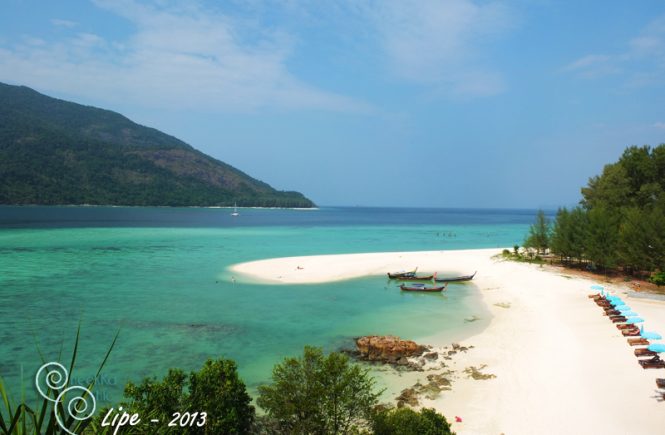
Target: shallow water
column 160, row 276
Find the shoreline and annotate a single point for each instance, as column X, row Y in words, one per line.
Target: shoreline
column 314, row 269
column 162, row 206
column 560, row 365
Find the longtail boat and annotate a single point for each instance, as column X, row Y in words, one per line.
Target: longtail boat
column 398, row 275
column 457, row 278
column 416, row 278
column 422, row 288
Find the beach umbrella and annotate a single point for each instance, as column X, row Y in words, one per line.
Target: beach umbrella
column 634, row 320
column 657, row 347
column 618, row 303
column 629, row 314
column 623, row 308
column 650, row 335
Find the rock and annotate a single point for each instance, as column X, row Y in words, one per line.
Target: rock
column 431, row 356
column 435, row 385
column 409, row 396
column 473, row 372
column 387, row 348
column 440, row 380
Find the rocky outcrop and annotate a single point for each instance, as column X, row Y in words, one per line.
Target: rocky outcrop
column 436, row 383
column 388, row 349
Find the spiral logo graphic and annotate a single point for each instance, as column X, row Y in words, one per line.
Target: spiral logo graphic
column 80, row 406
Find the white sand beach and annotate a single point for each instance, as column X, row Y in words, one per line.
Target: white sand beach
column 560, row 365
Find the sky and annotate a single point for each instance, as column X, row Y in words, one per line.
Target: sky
column 423, row 103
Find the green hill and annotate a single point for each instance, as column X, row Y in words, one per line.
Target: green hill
column 57, row 152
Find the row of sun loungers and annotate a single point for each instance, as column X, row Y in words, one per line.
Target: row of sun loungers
column 629, row 330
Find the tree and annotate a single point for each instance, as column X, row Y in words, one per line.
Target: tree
column 539, row 233
column 612, row 189
column 642, row 239
column 319, row 394
column 405, row 421
column 602, row 238
column 560, row 238
column 216, row 390
column 578, row 230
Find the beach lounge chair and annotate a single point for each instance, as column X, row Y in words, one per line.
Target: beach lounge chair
column 644, row 352
column 638, row 341
column 623, row 326
column 652, row 363
column 631, row 332
column 660, row 383
column 618, row 319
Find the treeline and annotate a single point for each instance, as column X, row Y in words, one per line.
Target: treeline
column 620, row 222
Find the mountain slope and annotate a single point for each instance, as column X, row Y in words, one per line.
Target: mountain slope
column 56, row 152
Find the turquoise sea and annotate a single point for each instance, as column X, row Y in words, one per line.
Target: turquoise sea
column 159, row 276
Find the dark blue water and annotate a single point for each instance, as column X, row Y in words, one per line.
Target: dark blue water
column 72, row 217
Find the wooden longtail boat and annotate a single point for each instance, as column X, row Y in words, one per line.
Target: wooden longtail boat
column 422, row 288
column 398, row 275
column 416, row 278
column 456, row 279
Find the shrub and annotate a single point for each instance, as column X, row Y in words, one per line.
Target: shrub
column 405, row 421
column 216, row 390
column 318, row 394
column 658, row 278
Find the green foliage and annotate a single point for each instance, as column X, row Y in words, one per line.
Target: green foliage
column 570, row 233
column 56, row 152
column 318, row 394
column 539, row 234
column 22, row 419
column 602, row 238
column 405, row 421
column 622, row 222
column 216, row 390
column 658, row 279
column 642, row 245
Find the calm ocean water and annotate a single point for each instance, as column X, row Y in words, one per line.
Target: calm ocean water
column 159, row 275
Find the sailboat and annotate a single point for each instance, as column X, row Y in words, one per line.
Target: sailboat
column 235, row 210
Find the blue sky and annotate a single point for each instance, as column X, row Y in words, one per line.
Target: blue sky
column 450, row 103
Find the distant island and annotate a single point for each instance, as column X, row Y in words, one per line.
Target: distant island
column 55, row 152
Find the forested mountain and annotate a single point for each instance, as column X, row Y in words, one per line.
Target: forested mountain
column 57, row 152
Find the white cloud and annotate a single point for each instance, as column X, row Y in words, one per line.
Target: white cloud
column 642, row 63
column 181, row 55
column 63, row 23
column 659, row 125
column 441, row 42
